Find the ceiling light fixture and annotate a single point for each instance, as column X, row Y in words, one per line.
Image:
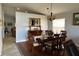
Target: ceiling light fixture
column 18, row 8
column 52, row 16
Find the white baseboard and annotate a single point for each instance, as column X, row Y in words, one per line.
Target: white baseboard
column 21, row 40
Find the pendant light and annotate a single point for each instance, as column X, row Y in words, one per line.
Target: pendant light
column 51, row 16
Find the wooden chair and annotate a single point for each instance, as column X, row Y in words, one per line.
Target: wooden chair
column 49, row 32
column 13, row 31
column 56, row 44
column 57, row 39
column 41, row 43
column 62, row 39
column 52, row 44
column 63, row 36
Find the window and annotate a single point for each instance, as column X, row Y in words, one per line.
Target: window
column 58, row 25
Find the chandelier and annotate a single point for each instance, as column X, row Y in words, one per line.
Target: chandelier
column 51, row 16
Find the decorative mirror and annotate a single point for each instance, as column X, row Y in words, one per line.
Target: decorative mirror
column 34, row 23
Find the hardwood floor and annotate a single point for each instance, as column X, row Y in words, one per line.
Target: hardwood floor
column 26, row 49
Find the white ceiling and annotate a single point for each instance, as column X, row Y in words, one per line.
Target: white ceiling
column 42, row 7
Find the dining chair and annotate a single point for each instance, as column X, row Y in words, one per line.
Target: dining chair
column 49, row 32
column 52, row 44
column 63, row 37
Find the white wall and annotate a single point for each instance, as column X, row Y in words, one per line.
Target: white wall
column 50, row 25
column 3, row 23
column 22, row 24
column 72, row 30
column 0, row 28
column 44, row 21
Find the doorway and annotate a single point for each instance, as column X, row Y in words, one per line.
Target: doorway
column 9, row 41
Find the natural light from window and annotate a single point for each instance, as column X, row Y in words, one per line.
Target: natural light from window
column 58, row 25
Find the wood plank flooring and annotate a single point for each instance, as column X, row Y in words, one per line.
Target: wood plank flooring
column 26, row 49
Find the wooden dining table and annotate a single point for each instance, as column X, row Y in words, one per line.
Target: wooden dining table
column 50, row 40
column 55, row 40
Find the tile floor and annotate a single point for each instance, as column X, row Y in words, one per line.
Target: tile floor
column 9, row 47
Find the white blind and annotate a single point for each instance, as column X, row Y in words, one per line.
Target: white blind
column 58, row 25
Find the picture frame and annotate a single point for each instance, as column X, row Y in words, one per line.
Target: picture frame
column 9, row 24
column 76, row 18
column 34, row 21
